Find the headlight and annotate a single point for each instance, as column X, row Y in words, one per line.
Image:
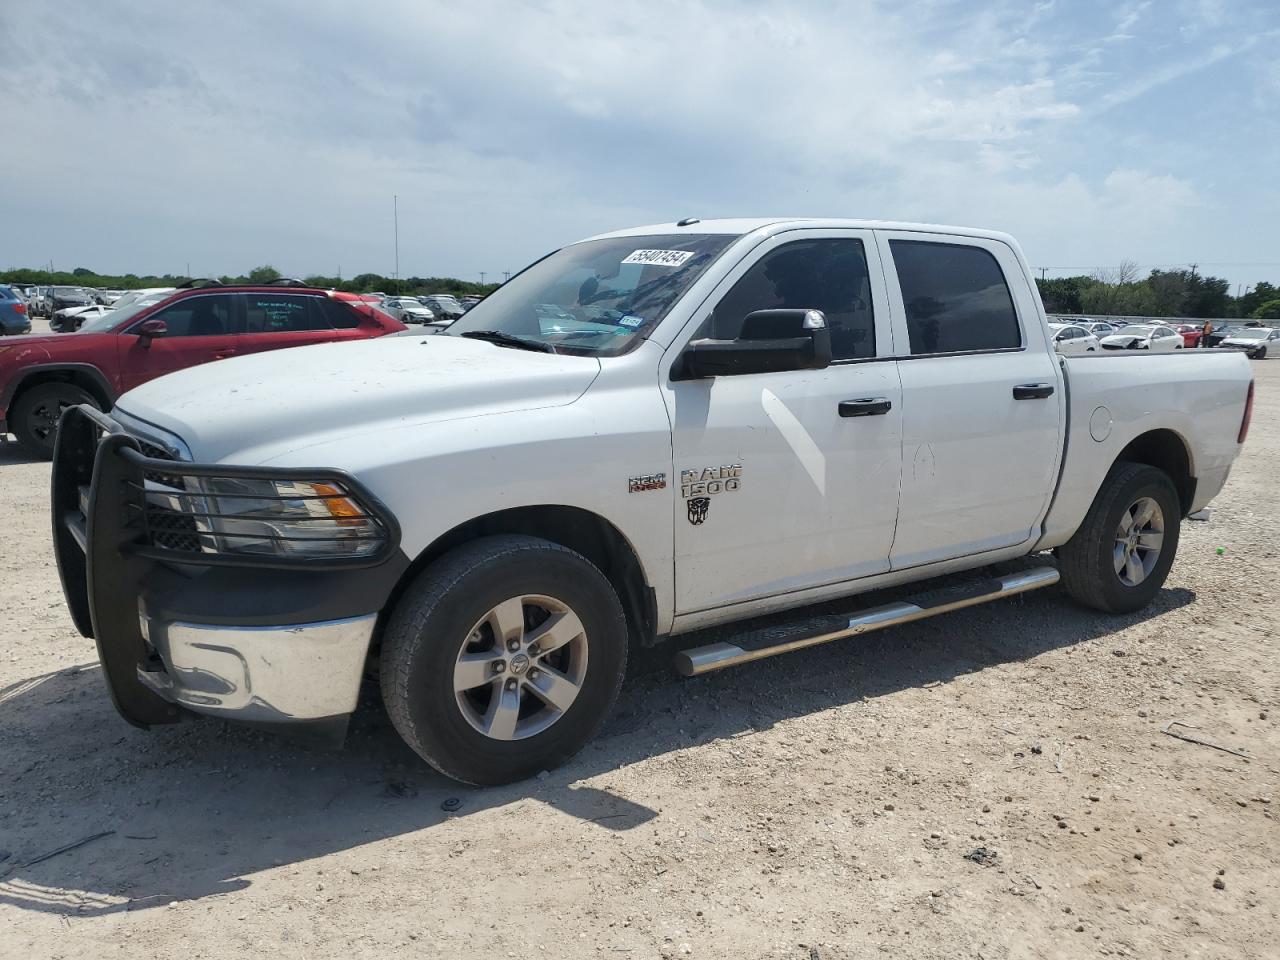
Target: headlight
column 287, row 519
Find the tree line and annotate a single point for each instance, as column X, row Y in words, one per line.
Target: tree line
column 1120, row 291
column 361, row 283
column 1116, row 291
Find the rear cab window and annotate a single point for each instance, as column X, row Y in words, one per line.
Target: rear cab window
column 955, row 297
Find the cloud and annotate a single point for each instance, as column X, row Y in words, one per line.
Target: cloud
column 278, row 132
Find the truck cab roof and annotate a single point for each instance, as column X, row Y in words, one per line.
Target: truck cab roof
column 740, row 226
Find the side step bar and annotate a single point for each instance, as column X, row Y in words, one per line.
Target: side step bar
column 796, row 635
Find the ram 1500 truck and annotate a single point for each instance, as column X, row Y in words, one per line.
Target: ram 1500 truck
column 664, row 432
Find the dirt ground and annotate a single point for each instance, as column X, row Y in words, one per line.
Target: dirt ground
column 994, row 783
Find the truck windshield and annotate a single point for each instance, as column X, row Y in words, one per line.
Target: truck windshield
column 599, row 298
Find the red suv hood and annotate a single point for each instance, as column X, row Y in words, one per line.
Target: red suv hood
column 34, row 347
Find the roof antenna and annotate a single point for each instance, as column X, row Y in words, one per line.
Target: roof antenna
column 688, row 221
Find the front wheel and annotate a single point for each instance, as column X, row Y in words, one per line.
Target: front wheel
column 37, row 412
column 503, row 658
column 1119, row 558
column 1260, row 353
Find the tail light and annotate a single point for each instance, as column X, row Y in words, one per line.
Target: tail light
column 20, row 308
column 1248, row 414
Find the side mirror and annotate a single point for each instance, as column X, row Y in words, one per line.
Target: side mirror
column 150, row 329
column 771, row 341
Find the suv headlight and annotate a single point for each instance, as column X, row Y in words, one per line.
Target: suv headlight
column 283, row 518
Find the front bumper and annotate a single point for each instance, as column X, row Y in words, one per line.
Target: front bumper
column 177, row 630
column 284, row 674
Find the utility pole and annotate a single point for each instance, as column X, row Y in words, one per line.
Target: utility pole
column 188, row 269
column 482, row 277
column 506, row 275
column 1042, row 272
column 395, row 212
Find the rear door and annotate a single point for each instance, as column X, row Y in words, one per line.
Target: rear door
column 273, row 321
column 981, row 397
column 201, row 328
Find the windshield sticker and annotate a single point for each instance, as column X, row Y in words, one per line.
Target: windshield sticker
column 659, row 258
column 631, row 320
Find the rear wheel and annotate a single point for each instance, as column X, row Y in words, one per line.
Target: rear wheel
column 503, row 658
column 37, row 411
column 1119, row 558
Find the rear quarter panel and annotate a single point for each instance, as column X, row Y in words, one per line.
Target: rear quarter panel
column 1115, row 398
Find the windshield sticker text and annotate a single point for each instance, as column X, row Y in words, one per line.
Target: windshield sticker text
column 659, row 258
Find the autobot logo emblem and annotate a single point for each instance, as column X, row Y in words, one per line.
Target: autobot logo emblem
column 698, row 507
column 519, row 664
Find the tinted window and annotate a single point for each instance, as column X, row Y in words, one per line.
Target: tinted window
column 206, row 316
column 338, row 314
column 955, row 296
column 827, row 275
column 283, row 313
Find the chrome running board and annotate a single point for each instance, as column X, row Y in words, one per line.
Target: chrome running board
column 796, row 635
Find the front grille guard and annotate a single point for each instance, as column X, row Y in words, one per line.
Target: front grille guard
column 106, row 544
column 171, row 522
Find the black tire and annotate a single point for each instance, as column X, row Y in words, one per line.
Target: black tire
column 430, row 626
column 34, row 419
column 1261, row 354
column 1087, row 560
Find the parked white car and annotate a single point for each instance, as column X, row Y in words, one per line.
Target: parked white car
column 746, row 417
column 1144, row 336
column 408, row 310
column 70, row 319
column 1071, row 340
column 1099, row 328
column 1256, row 342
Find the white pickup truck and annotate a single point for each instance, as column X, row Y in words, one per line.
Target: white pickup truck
column 664, row 432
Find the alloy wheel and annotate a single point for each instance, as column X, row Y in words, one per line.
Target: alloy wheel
column 1138, row 541
column 521, row 667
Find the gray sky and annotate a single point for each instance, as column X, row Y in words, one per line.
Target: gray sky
column 146, row 135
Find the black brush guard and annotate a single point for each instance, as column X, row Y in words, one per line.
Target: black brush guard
column 107, row 544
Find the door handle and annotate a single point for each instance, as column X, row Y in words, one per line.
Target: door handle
column 866, row 407
column 1032, row 391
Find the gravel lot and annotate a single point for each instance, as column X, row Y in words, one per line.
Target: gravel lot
column 994, row 783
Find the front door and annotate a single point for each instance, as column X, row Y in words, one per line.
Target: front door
column 982, row 411
column 200, row 328
column 780, row 486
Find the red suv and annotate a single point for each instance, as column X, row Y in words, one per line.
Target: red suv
column 40, row 376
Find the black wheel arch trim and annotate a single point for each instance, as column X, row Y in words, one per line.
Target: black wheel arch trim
column 19, row 383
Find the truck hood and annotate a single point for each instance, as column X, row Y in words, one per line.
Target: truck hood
column 257, row 407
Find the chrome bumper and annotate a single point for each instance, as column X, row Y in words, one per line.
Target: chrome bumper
column 285, row 674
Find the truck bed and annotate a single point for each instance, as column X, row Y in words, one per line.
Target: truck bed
column 1115, row 397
